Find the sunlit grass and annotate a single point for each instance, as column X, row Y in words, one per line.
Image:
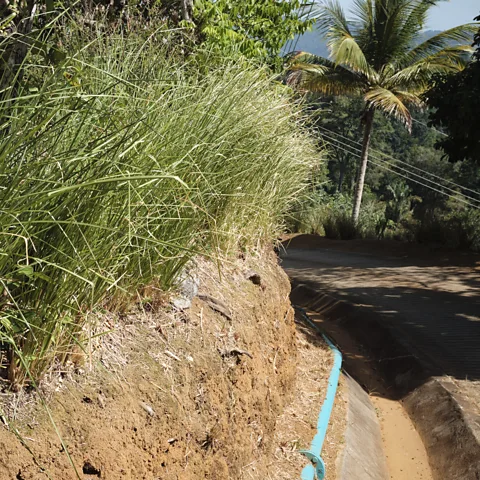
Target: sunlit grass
column 119, row 166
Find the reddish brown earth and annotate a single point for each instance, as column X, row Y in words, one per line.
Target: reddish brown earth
column 167, row 395
column 297, row 426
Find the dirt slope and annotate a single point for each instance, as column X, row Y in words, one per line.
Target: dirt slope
column 167, row 395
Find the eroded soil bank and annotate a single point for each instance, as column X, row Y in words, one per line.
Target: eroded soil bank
column 167, row 395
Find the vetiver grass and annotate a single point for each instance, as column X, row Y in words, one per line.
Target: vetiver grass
column 119, row 166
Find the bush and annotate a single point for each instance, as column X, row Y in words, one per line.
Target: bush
column 340, row 226
column 331, row 215
column 308, row 213
column 120, row 166
column 457, row 229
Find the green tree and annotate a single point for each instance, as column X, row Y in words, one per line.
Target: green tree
column 254, row 28
column 456, row 100
column 340, row 115
column 375, row 55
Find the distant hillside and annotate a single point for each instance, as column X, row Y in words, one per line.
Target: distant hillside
column 313, row 42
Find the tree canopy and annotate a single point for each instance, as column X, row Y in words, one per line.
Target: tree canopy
column 376, row 55
column 255, row 28
column 456, row 103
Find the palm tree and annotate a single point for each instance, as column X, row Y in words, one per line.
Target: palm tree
column 377, row 54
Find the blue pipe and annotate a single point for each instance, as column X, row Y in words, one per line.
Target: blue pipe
column 316, row 465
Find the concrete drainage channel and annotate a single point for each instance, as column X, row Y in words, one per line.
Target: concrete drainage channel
column 397, row 383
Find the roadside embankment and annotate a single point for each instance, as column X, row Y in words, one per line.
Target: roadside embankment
column 168, row 394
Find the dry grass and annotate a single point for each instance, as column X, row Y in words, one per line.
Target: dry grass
column 160, row 393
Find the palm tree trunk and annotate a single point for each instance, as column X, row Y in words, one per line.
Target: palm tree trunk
column 367, row 134
column 341, row 177
column 187, row 9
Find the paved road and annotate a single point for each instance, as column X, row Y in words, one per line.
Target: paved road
column 432, row 300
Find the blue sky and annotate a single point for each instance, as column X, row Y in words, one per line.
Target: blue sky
column 446, row 14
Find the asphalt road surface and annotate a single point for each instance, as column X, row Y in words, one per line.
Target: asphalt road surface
column 432, row 299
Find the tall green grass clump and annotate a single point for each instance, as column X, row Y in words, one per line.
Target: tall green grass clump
column 120, row 164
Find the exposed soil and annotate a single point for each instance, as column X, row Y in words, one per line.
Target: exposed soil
column 405, row 452
column 171, row 395
column 298, row 424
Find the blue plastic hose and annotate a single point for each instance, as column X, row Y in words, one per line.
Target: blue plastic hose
column 316, row 467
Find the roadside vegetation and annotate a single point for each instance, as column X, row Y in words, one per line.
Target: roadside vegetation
column 119, row 163
column 413, row 193
column 137, row 138
column 134, row 137
column 380, row 62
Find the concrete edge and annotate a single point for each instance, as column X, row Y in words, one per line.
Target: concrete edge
column 449, row 430
column 363, row 457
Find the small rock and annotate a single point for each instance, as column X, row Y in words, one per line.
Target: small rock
column 101, row 400
column 188, row 289
column 89, row 469
column 148, row 409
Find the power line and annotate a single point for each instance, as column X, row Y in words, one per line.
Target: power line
column 416, row 181
column 405, row 170
column 406, row 176
column 406, row 163
column 427, row 126
column 403, row 162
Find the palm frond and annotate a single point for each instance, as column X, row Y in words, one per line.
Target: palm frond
column 363, row 26
column 416, row 19
column 318, row 74
column 364, row 14
column 410, row 98
column 389, row 103
column 346, row 51
column 378, row 28
column 463, row 34
column 389, row 21
column 332, row 20
column 306, row 58
column 417, row 77
column 330, row 83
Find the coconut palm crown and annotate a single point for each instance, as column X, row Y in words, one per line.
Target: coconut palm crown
column 377, row 54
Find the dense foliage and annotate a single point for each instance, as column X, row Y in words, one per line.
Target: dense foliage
column 413, row 193
column 456, row 103
column 255, row 28
column 376, row 55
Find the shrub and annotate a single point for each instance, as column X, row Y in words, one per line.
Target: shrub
column 339, row 226
column 457, row 229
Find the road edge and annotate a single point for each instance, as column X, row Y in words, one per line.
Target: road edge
column 448, row 428
column 363, row 457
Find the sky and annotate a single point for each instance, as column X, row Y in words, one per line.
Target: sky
column 446, row 14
